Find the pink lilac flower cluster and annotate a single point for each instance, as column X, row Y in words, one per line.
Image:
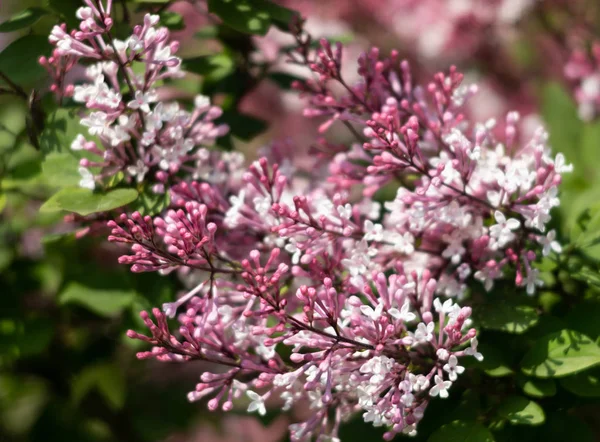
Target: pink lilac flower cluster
column 451, row 29
column 583, row 68
column 129, row 129
column 314, row 289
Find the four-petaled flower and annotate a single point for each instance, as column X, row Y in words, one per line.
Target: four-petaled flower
column 472, row 350
column 503, row 231
column 257, row 404
column 453, row 368
column 440, row 387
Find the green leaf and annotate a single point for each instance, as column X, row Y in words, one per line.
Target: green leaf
column 104, row 302
column 537, row 387
column 462, row 431
column 211, row 67
column 494, row 363
column 108, row 379
column 561, row 354
column 585, row 384
column 61, row 170
column 60, row 129
column 521, row 411
column 22, row 19
column 560, row 114
column 150, row 203
column 22, row 401
column 19, row 60
column 172, row 20
column 506, row 315
column 589, row 151
column 85, row 202
column 251, row 16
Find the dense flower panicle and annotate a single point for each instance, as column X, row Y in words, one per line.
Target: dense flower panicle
column 361, row 291
column 583, row 69
column 129, row 129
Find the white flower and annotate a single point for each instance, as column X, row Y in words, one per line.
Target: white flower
column 84, row 13
column 407, row 399
column 135, row 44
column 472, row 350
column 403, row 243
column 344, row 212
column 502, row 231
column 170, row 309
column 560, row 164
column 455, row 248
column 378, row 367
column 442, row 354
column 233, row 216
column 142, row 100
column 292, row 247
column 446, row 307
column 97, row 122
column 373, row 232
column 453, row 368
column 418, row 382
column 257, row 404
column 201, row 102
column 78, row 142
column 368, row 311
column 87, row 179
column 549, row 243
column 138, row 170
column 440, row 388
column 532, row 280
column 424, row 333
column 404, row 314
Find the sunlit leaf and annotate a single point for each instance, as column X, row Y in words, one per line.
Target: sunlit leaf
column 561, row 354
column 85, row 202
column 22, row 19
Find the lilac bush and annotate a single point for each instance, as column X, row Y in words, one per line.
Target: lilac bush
column 355, row 278
column 364, row 292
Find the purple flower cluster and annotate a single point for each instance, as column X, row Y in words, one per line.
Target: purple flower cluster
column 138, row 135
column 315, row 288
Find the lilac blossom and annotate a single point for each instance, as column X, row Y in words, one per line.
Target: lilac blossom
column 362, row 296
column 129, row 130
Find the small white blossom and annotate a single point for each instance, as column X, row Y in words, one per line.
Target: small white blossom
column 502, row 232
column 532, row 280
column 548, row 243
column 453, row 369
column 472, row 350
column 440, row 387
column 257, row 404
column 87, row 179
column 373, row 232
column 442, row 354
column 404, row 314
column 142, row 100
column 424, row 333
